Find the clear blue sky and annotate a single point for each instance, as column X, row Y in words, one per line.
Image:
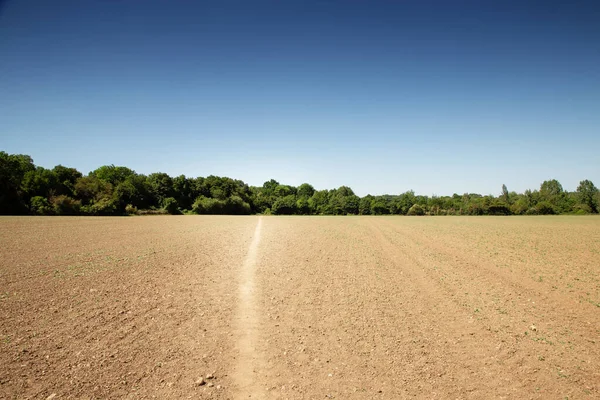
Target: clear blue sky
column 382, row 96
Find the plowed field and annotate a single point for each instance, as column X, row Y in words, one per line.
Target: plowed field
column 300, row 307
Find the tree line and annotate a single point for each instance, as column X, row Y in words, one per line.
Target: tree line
column 113, row 190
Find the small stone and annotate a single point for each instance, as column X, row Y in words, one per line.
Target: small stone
column 52, row 396
column 533, row 328
column 218, row 387
column 200, row 381
column 210, row 384
column 210, row 376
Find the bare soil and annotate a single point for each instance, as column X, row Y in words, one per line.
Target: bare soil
column 300, row 307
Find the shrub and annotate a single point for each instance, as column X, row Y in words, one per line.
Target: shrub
column 544, row 208
column 131, row 209
column 102, row 206
column 582, row 209
column 65, row 205
column 40, row 206
column 284, row 205
column 498, row 209
column 416, row 210
column 206, row 205
column 152, row 211
column 170, row 205
column 235, row 205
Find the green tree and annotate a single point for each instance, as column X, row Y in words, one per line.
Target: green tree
column 96, row 196
column 39, row 182
column 13, row 168
column 305, row 190
column 364, row 205
column 112, row 174
column 170, row 205
column 588, row 195
column 39, row 205
column 416, row 209
column 160, row 186
column 66, row 178
column 285, row 205
column 505, row 196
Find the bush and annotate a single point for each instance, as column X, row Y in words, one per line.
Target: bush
column 170, row 205
column 152, row 211
column 498, row 209
column 40, row 206
column 131, row 209
column 65, row 205
column 531, row 211
column 545, row 208
column 416, row 210
column 581, row 209
column 235, row 205
column 284, row 206
column 103, row 206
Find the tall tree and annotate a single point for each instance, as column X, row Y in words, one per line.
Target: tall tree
column 588, row 195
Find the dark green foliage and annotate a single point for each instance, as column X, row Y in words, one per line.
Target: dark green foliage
column 39, row 205
column 39, row 182
column 13, row 168
column 416, row 209
column 305, row 190
column 114, row 190
column 544, row 208
column 284, row 206
column 112, row 174
column 505, row 196
column 498, row 209
column 160, row 186
column 65, row 205
column 66, row 179
column 233, row 205
column 364, row 205
column 588, row 196
column 170, row 205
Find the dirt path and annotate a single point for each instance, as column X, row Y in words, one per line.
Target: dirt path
column 247, row 377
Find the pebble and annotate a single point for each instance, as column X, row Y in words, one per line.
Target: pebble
column 210, row 376
column 52, row 396
column 210, row 384
column 533, row 328
column 200, row 381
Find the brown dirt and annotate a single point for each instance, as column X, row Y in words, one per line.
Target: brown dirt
column 300, row 307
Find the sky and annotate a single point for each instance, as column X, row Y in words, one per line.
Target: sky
column 439, row 97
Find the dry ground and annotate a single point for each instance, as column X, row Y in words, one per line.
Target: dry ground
column 300, row 307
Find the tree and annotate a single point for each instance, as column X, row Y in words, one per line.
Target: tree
column 505, row 196
column 588, row 195
column 170, row 205
column 364, row 205
column 66, row 178
column 318, row 201
column 552, row 193
column 40, row 206
column 305, row 190
column 284, row 205
column 13, row 168
column 416, row 209
column 39, row 182
column 112, row 174
column 96, row 196
column 160, row 186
